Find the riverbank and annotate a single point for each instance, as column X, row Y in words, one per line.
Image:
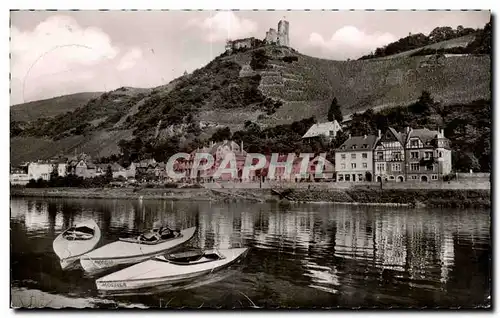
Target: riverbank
column 25, row 298
column 393, row 197
column 354, row 195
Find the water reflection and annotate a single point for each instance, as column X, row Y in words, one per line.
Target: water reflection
column 358, row 255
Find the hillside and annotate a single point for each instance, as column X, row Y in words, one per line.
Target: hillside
column 460, row 42
column 50, row 107
column 269, row 86
column 307, row 86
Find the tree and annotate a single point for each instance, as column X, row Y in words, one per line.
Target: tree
column 109, row 174
column 441, row 34
column 482, row 42
column 259, row 60
column 424, row 105
column 334, row 112
column 54, row 174
column 221, row 134
column 340, row 138
column 465, row 161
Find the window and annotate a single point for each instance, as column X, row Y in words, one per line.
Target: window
column 430, row 168
column 341, row 177
column 354, row 147
column 342, row 156
column 414, row 167
column 396, row 155
column 380, row 167
column 414, row 155
column 342, row 165
column 347, row 177
column 414, row 177
column 360, row 177
column 434, row 177
column 414, row 143
column 364, row 155
column 365, row 165
column 365, row 146
column 353, row 156
column 331, row 132
column 392, row 178
column 380, row 155
column 343, row 147
column 428, row 154
column 396, row 167
column 353, row 165
column 440, row 154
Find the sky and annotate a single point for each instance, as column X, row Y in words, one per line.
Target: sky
column 55, row 53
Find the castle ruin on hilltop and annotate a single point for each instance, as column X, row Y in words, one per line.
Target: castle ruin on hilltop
column 280, row 38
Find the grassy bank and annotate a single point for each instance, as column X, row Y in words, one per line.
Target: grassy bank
column 406, row 197
column 115, row 193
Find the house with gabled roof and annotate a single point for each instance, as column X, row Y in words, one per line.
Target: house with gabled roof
column 328, row 130
column 354, row 158
column 85, row 169
column 428, row 154
column 389, row 156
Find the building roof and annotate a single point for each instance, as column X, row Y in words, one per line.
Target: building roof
column 424, row 134
column 103, row 166
column 322, row 129
column 17, row 171
column 146, row 163
column 359, row 143
column 399, row 136
column 214, row 148
column 233, row 146
column 116, row 167
column 161, row 165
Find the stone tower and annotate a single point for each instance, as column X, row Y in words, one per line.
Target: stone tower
column 283, row 31
column 271, row 36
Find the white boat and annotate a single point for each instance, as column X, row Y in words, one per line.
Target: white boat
column 163, row 270
column 74, row 242
column 130, row 251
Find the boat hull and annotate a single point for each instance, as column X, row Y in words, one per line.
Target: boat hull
column 69, row 252
column 164, row 273
column 128, row 253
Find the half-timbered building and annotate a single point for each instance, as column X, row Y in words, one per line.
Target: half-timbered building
column 389, row 156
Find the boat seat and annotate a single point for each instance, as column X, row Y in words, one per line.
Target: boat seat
column 78, row 233
column 212, row 256
column 76, row 236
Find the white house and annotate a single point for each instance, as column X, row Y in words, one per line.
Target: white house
column 61, row 169
column 19, row 177
column 37, row 170
column 328, row 130
column 354, row 158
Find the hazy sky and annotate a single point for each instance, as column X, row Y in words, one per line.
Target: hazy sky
column 64, row 52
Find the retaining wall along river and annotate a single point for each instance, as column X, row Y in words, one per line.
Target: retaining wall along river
column 352, row 195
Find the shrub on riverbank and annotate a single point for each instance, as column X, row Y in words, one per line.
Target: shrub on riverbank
column 442, row 198
column 70, row 181
column 318, row 195
column 412, row 197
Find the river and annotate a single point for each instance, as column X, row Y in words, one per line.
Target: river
column 301, row 255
